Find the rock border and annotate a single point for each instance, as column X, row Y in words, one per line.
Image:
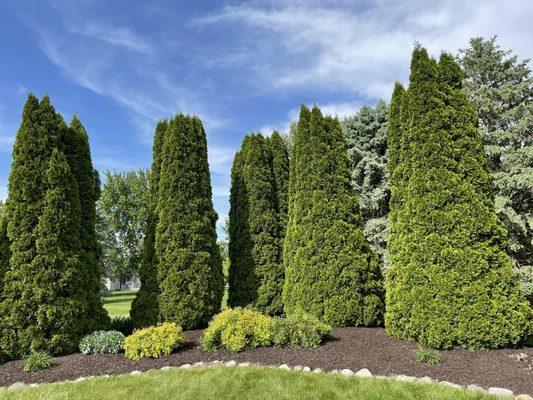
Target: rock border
column 362, row 373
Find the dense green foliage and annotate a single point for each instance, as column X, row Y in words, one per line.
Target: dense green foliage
column 145, row 307
column 189, row 269
column 427, row 356
column 5, row 253
column 450, row 281
column 75, row 145
column 330, row 270
column 366, row 138
column 154, row 341
column 501, row 88
column 299, row 330
column 102, row 342
column 237, row 330
column 257, row 216
column 123, row 208
column 122, row 324
column 36, row 361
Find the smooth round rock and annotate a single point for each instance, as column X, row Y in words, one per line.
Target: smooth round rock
column 284, row 366
column 500, row 391
column 135, row 373
column 346, row 372
column 363, row 373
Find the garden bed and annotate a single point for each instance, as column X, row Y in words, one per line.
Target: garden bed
column 353, row 348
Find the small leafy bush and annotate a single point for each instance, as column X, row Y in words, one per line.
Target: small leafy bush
column 37, row 361
column 427, row 356
column 122, row 324
column 299, row 330
column 155, row 341
column 102, row 342
column 237, row 330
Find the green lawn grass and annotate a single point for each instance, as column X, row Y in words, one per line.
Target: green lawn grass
column 118, row 304
column 253, row 383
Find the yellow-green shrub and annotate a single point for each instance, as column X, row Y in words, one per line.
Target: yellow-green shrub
column 155, row 341
column 237, row 330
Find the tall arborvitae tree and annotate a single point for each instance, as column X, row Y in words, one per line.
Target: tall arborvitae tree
column 75, row 144
column 5, row 253
column 280, row 169
column 450, row 281
column 366, row 137
column 145, row 307
column 38, row 135
column 256, row 272
column 189, row 264
column 501, row 88
column 330, row 270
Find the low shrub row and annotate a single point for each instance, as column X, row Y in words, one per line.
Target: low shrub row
column 241, row 329
column 155, row 341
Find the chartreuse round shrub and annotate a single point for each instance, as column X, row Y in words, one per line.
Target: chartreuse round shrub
column 237, row 330
column 450, row 282
column 102, row 342
column 155, row 341
column 299, row 330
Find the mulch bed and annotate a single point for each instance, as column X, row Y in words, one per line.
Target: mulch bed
column 352, row 348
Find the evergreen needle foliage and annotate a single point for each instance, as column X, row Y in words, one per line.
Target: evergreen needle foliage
column 189, row 267
column 145, row 307
column 330, row 270
column 256, row 224
column 450, row 281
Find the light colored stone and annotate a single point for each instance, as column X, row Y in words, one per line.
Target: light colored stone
column 405, row 378
column 244, row 364
column 500, row 391
column 199, row 364
column 425, row 379
column 524, row 397
column 231, row 363
column 284, row 366
column 317, row 370
column 306, row 369
column 474, row 388
column 16, row 385
column 80, row 379
column 363, row 373
column 104, row 376
column 135, row 373
column 346, row 372
column 34, row 385
column 167, row 368
column 446, row 383
column 216, row 362
column 333, row 372
column 185, row 366
column 298, row 368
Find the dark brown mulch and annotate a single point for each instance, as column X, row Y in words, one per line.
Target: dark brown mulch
column 353, row 348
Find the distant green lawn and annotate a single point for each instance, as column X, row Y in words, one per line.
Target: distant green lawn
column 118, row 304
column 253, row 383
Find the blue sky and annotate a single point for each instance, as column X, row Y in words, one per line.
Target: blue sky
column 121, row 65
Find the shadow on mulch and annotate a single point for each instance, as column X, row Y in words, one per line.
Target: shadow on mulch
column 353, row 348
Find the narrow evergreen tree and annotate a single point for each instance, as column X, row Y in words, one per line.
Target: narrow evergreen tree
column 5, row 253
column 189, row 264
column 450, row 281
column 280, row 168
column 256, row 272
column 145, row 307
column 75, row 144
column 330, row 270
column 38, row 135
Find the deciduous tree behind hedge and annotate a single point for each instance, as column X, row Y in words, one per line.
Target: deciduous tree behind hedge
column 330, row 270
column 189, row 265
column 256, row 224
column 145, row 307
column 450, row 281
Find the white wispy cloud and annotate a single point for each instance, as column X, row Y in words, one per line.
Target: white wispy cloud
column 117, row 35
column 220, row 159
column 363, row 47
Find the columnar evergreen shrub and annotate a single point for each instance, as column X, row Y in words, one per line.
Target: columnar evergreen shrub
column 154, row 341
column 5, row 253
column 255, row 226
column 450, row 281
column 145, row 307
column 330, row 270
column 189, row 268
column 280, row 169
column 75, row 144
